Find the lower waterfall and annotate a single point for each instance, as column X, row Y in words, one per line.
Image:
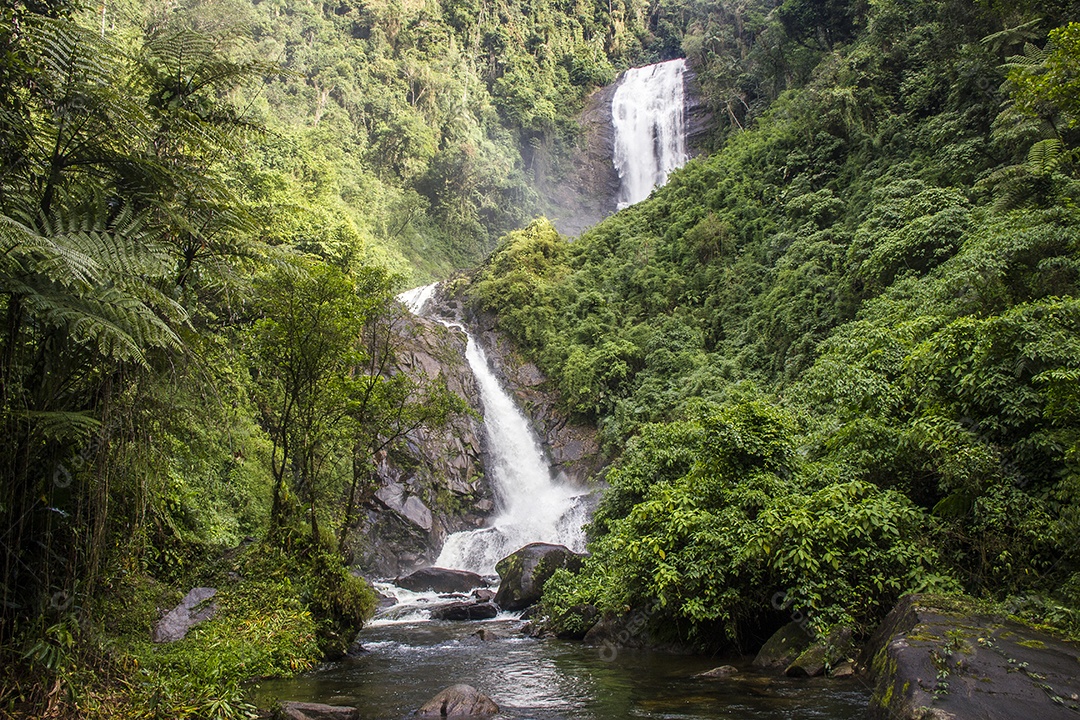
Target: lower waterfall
column 532, row 506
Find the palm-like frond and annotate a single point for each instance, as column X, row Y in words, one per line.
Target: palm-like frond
column 1046, row 156
column 92, row 276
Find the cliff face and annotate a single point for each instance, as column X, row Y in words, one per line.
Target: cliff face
column 583, row 192
column 699, row 121
column 433, row 485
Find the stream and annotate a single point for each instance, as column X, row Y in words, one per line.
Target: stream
column 409, row 662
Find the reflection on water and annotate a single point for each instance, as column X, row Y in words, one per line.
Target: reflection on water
column 407, row 664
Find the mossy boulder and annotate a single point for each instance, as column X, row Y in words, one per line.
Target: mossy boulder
column 944, row 657
column 576, row 622
column 822, row 654
column 785, row 645
column 523, row 573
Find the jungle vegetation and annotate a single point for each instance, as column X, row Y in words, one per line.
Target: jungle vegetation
column 835, row 358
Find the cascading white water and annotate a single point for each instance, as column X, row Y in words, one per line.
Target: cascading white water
column 532, row 505
column 648, row 112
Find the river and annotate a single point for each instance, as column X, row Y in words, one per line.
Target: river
column 408, row 663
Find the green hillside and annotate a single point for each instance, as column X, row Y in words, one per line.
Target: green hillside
column 838, row 358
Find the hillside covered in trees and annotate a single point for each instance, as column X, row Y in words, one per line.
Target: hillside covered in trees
column 838, row 358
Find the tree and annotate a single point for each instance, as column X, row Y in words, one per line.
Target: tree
column 305, row 346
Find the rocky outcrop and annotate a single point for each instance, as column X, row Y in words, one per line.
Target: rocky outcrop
column 441, row 580
column 936, row 657
column 316, row 711
column 459, row 701
column 582, row 189
column 196, row 607
column 432, row 483
column 523, row 573
column 572, row 448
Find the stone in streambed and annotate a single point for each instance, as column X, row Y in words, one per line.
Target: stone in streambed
column 465, row 611
column 719, row 672
column 490, row 634
column 523, row 573
column 843, row 670
column 316, row 711
column 483, row 594
column 459, row 701
column 441, row 580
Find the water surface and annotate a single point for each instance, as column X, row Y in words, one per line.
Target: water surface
column 407, row 663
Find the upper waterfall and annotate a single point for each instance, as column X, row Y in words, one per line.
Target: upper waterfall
column 648, row 112
column 532, row 505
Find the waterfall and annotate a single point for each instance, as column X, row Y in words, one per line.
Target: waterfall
column 648, row 112
column 531, row 505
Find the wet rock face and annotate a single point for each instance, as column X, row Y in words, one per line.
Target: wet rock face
column 584, row 188
column 936, row 657
column 432, row 484
column 699, row 121
column 573, row 448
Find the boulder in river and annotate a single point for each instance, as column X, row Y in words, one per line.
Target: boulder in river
column 459, row 701
column 823, row 653
column 576, row 622
column 465, row 610
column 192, row 610
column 783, row 647
column 937, row 657
column 441, row 580
column 719, row 672
column 317, row 711
column 524, row 572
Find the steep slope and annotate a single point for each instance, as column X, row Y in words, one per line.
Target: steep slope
column 840, row 348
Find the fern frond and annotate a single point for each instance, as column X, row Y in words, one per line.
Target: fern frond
column 60, row 426
column 1045, row 156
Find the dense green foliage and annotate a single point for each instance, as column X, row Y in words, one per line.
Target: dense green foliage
column 876, row 281
column 172, row 379
column 834, row 361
